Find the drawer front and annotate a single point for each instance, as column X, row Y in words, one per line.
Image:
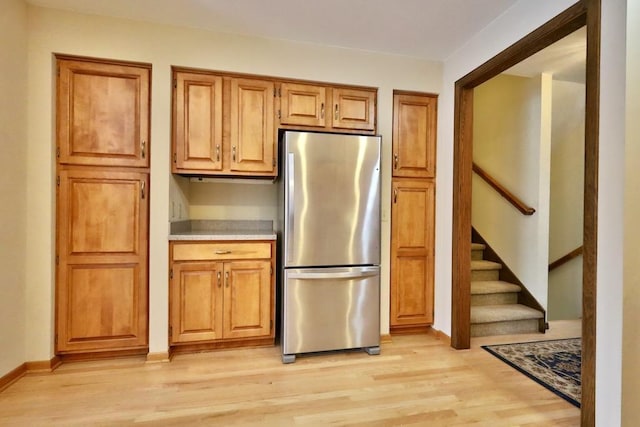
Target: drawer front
column 220, row 251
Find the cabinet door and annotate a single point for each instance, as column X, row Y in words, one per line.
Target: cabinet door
column 196, row 302
column 412, row 240
column 102, row 113
column 354, row 109
column 247, row 299
column 414, row 135
column 302, row 104
column 197, row 139
column 102, row 227
column 252, row 129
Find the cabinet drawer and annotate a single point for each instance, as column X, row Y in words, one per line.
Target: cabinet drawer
column 220, row 251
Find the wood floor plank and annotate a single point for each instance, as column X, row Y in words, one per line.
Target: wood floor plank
column 417, row 380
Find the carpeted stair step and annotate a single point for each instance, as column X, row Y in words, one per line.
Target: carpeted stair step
column 477, row 251
column 485, row 270
column 493, row 292
column 504, row 319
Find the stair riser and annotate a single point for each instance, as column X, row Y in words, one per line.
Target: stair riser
column 477, row 254
column 526, row 326
column 494, row 299
column 484, row 275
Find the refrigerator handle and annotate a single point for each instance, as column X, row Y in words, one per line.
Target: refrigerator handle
column 345, row 275
column 290, row 204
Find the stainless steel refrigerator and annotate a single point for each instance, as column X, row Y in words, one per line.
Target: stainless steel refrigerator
column 330, row 243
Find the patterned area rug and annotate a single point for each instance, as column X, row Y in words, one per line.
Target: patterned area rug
column 554, row 364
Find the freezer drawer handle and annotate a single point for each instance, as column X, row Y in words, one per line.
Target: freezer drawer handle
column 321, row 276
column 221, row 252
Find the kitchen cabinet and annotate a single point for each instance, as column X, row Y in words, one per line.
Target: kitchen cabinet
column 223, row 125
column 102, row 112
column 101, row 257
column 222, row 293
column 414, row 135
column 102, row 206
column 412, row 253
column 329, row 108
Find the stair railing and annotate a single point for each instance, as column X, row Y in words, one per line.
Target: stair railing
column 511, row 198
column 566, row 258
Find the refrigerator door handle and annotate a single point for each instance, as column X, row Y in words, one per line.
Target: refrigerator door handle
column 345, row 275
column 291, row 205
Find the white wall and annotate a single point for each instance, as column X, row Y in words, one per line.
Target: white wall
column 510, row 27
column 13, row 188
column 162, row 46
column 631, row 341
column 511, row 142
column 566, row 207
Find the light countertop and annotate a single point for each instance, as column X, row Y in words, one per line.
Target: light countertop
column 222, row 230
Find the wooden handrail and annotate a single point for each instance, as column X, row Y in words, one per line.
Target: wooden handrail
column 511, row 198
column 565, row 259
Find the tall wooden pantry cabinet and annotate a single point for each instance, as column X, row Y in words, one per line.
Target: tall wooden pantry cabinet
column 102, row 206
column 413, row 211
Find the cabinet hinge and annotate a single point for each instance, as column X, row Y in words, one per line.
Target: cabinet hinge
column 271, row 270
column 279, row 93
column 171, row 274
column 170, row 331
column 58, row 180
column 57, row 260
column 275, row 92
column 58, row 152
column 175, row 157
column 55, row 339
column 175, row 83
column 273, row 163
column 279, row 114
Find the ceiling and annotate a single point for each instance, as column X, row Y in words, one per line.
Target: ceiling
column 429, row 29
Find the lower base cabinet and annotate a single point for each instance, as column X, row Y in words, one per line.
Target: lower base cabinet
column 221, row 293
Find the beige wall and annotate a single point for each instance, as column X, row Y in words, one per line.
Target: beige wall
column 511, row 140
column 13, row 139
column 566, row 207
column 162, row 46
column 631, row 334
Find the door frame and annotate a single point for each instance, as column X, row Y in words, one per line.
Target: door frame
column 583, row 13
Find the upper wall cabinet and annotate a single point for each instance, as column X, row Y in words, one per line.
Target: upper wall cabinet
column 414, row 135
column 328, row 107
column 102, row 113
column 223, row 125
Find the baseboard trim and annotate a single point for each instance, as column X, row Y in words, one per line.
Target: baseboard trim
column 385, row 339
column 158, row 357
column 12, row 376
column 43, row 365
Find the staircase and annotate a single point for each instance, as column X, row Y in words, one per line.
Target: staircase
column 494, row 303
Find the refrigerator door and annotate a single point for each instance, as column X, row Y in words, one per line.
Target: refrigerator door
column 330, row 309
column 331, row 199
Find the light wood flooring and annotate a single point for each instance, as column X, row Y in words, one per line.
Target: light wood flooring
column 417, row 380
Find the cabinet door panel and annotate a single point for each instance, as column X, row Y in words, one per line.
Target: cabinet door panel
column 102, row 227
column 252, row 130
column 103, row 113
column 414, row 136
column 198, row 122
column 303, row 104
column 196, row 302
column 354, row 109
column 412, row 231
column 247, row 299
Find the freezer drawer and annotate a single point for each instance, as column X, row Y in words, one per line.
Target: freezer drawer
column 330, row 309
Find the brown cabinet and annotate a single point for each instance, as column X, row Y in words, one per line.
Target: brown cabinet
column 223, row 125
column 102, row 206
column 328, row 107
column 222, row 293
column 412, row 254
column 102, row 260
column 414, row 135
column 102, row 113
